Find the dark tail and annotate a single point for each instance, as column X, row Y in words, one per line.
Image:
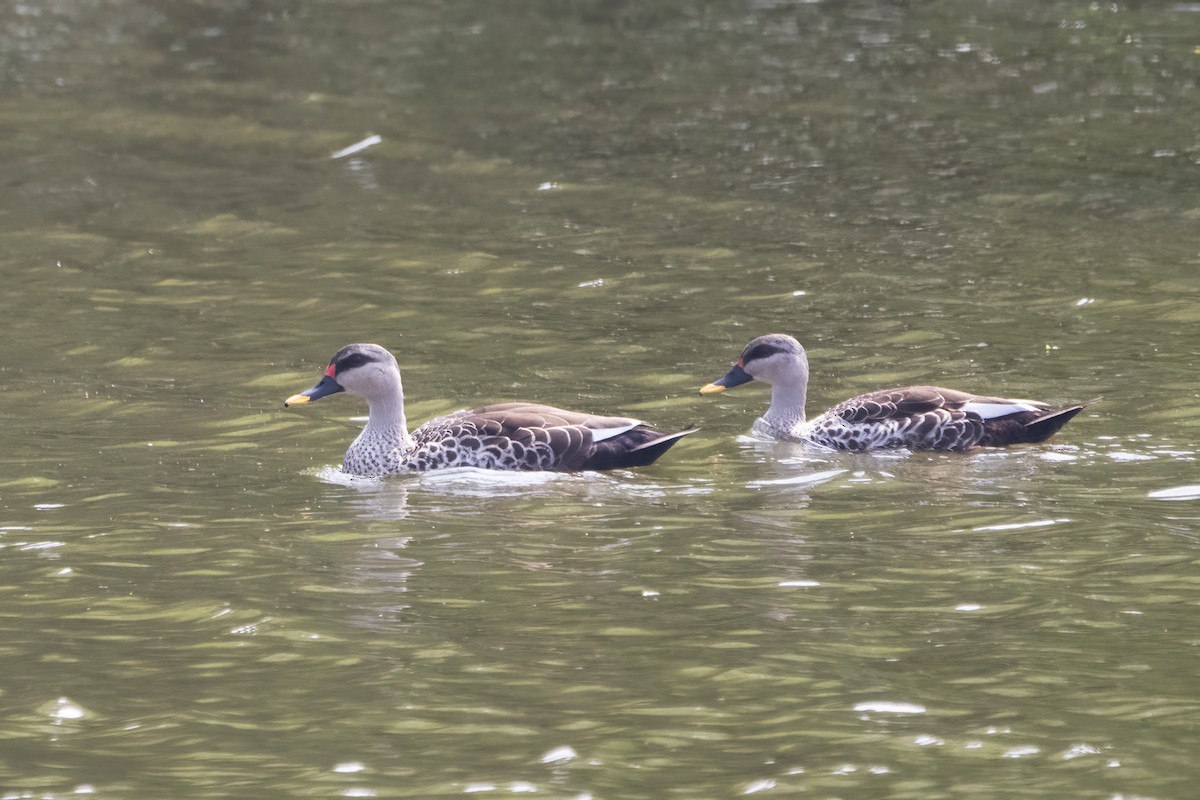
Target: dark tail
column 1042, row 428
column 616, row 453
column 1028, row 427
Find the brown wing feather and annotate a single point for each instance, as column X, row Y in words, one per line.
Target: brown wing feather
column 889, row 404
column 932, row 418
column 531, row 436
column 533, row 415
column 907, row 401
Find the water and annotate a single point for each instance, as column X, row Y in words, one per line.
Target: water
column 595, row 205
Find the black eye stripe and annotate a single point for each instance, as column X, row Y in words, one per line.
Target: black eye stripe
column 759, row 351
column 351, row 361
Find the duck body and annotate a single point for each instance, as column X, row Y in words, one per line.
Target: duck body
column 511, row 436
column 915, row 417
column 930, row 418
column 505, row 436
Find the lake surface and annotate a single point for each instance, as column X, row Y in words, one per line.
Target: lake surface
column 595, row 205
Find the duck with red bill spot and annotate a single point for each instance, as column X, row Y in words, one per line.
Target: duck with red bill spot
column 506, row 436
column 916, row 417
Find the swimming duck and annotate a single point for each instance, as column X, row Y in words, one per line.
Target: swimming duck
column 916, row 417
column 508, row 436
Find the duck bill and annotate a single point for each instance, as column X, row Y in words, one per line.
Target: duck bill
column 326, row 387
column 735, row 377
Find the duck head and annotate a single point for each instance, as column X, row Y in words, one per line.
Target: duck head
column 361, row 370
column 775, row 359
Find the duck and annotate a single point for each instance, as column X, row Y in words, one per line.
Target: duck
column 504, row 436
column 914, row 417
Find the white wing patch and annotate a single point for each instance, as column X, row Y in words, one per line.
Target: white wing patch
column 994, row 410
column 600, row 434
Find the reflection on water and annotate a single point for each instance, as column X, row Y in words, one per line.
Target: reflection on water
column 1177, row 493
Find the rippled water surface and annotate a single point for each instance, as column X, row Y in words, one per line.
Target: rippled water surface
column 595, row 205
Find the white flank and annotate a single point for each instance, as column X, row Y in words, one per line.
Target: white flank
column 993, row 410
column 600, row 434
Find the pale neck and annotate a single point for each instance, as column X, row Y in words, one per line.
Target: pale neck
column 386, row 418
column 788, row 395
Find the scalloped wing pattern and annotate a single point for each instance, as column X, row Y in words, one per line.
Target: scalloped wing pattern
column 933, row 418
column 517, row 436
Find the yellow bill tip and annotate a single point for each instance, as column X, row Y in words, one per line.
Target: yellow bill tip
column 711, row 388
column 296, row 400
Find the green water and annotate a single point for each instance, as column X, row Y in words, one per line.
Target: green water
column 595, row 205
